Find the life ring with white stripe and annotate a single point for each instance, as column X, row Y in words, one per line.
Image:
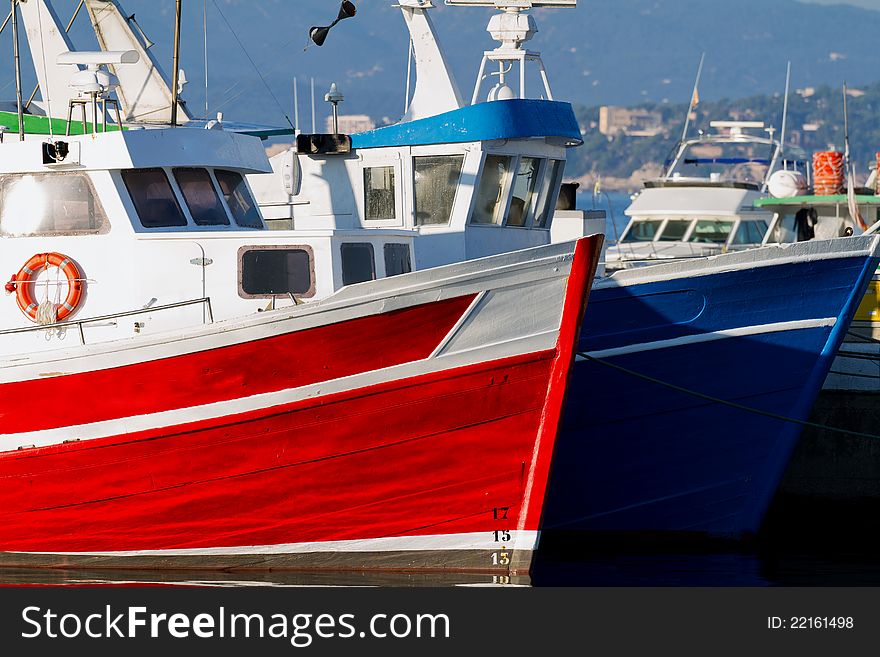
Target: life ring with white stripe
column 23, row 282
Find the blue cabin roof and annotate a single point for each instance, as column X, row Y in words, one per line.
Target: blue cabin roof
column 500, row 119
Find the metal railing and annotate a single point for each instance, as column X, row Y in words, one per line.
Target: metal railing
column 207, row 318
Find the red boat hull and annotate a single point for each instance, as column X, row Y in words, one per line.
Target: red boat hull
column 440, row 467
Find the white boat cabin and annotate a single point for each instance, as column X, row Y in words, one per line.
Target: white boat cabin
column 162, row 220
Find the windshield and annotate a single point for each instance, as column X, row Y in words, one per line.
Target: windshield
column 642, row 231
column 745, row 162
column 711, row 231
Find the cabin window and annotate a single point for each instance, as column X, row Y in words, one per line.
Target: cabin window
column 523, row 191
column 642, row 231
column 276, row 271
column 491, row 194
column 675, row 230
column 379, row 196
column 711, row 231
column 757, row 230
column 397, row 259
column 239, row 199
column 548, row 192
column 53, row 204
column 436, row 180
column 153, row 198
column 358, row 264
column 201, row 197
column 750, row 232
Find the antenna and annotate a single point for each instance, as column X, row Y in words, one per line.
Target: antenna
column 296, row 106
column 785, row 108
column 18, row 100
column 313, row 105
column 334, row 97
column 694, row 99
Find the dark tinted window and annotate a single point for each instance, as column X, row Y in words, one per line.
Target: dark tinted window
column 357, row 263
column 269, row 272
column 397, row 259
column 239, row 199
column 153, row 198
column 201, row 197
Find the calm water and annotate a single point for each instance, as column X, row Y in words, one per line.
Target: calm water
column 679, row 569
column 801, row 544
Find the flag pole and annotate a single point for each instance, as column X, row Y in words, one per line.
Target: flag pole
column 692, row 104
column 785, row 108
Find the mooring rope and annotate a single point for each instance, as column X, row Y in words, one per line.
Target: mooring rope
column 724, row 402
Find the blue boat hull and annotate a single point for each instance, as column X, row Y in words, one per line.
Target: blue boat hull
column 638, row 456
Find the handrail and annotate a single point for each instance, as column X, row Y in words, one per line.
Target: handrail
column 80, row 323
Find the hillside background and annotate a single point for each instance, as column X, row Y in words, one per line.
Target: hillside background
column 605, row 52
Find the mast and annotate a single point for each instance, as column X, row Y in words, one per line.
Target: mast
column 175, row 84
column 205, row 16
column 313, row 106
column 845, row 127
column 18, row 100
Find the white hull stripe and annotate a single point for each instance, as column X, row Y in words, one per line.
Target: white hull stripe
column 133, row 424
column 742, row 331
column 766, row 256
column 523, row 540
column 362, row 300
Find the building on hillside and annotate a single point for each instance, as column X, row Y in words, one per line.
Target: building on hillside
column 614, row 121
column 350, row 124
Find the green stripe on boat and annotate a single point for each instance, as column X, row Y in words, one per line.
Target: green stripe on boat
column 39, row 125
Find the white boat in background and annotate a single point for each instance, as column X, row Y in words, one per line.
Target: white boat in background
column 704, row 203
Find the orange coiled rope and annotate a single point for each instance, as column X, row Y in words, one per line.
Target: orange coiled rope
column 828, row 173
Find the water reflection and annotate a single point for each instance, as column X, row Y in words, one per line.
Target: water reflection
column 204, row 578
column 627, row 567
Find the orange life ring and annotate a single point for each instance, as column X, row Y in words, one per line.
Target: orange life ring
column 23, row 281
